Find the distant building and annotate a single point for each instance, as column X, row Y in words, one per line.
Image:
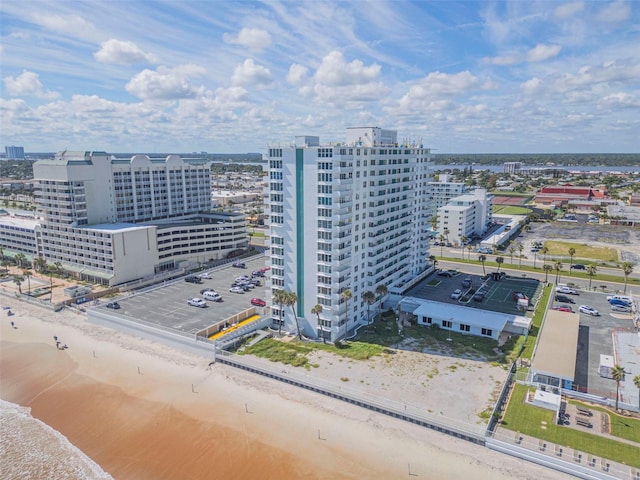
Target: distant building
column 624, row 215
column 14, row 153
column 512, row 167
column 634, row 200
column 466, row 215
column 441, row 192
column 564, row 194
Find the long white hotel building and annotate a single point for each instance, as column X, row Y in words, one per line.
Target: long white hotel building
column 348, row 216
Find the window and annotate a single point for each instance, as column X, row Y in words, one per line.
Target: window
column 429, row 320
column 446, row 324
column 487, row 331
column 465, row 328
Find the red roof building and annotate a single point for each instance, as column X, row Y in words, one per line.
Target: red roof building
column 562, row 194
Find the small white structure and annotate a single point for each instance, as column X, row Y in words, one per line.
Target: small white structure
column 607, row 363
column 548, row 400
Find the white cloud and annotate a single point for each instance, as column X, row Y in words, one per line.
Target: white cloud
column 70, row 25
column 621, row 99
column 122, row 53
column 615, row 12
column 27, row 83
column 542, row 52
column 503, row 60
column 250, row 73
column 297, row 74
column 568, row 10
column 335, row 71
column 252, row 38
column 166, row 83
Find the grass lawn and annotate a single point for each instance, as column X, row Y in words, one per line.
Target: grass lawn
column 541, row 308
column 623, row 427
column 511, row 210
column 528, row 419
column 582, row 251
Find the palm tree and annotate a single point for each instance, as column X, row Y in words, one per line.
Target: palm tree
column 317, row 310
column 483, row 258
column 520, row 248
column 40, row 264
column 381, row 291
column 462, row 240
column 346, row 296
column 18, row 279
column 280, row 298
column 636, row 382
column 20, row 259
column 617, row 373
column 441, row 238
column 291, row 299
column 572, row 252
column 591, row 271
column 512, row 250
column 446, row 234
column 627, row 268
column 547, row 268
column 26, row 273
column 544, row 251
column 499, row 261
column 369, row 297
column 434, row 260
column 434, row 222
column 557, row 267
column 469, row 248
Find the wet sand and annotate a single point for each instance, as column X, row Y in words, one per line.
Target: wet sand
column 145, row 411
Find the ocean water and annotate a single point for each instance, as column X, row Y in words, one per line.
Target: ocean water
column 31, row 449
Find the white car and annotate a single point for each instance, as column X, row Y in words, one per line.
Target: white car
column 567, row 290
column 589, row 310
column 197, row 302
column 236, row 290
column 206, row 276
column 456, row 294
column 614, row 308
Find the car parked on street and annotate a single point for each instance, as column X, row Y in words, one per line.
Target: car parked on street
column 578, row 266
column 588, row 310
column 197, row 302
column 258, row 302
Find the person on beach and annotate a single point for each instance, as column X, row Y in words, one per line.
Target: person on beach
column 13, row 325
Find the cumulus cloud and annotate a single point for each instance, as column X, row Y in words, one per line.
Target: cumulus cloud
column 252, row 38
column 542, row 52
column 615, row 12
column 297, row 74
column 438, row 84
column 166, row 83
column 122, row 53
column 27, row 83
column 568, row 10
column 250, row 73
column 335, row 71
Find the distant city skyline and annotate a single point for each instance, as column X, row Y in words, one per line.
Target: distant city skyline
column 235, row 77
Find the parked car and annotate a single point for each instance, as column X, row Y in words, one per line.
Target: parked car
column 205, row 290
column 564, row 299
column 192, row 279
column 236, row 290
column 622, row 298
column 478, row 296
column 466, row 283
column 239, row 265
column 258, row 302
column 197, row 302
column 456, row 294
column 445, row 273
column 619, row 303
column 206, row 276
column 567, row 290
column 213, row 296
column 588, row 310
column 563, row 308
column 257, row 273
column 113, row 305
column 621, row 308
column 578, row 266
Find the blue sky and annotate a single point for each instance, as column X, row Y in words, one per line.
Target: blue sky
column 238, row 76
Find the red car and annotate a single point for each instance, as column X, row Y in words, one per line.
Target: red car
column 563, row 308
column 258, row 302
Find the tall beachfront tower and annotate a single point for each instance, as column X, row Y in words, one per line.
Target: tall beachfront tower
column 351, row 216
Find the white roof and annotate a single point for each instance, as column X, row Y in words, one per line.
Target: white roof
column 460, row 313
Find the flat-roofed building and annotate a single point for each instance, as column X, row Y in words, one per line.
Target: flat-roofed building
column 466, row 216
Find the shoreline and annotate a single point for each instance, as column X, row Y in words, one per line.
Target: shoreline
column 143, row 410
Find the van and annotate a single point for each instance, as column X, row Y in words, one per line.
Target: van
column 213, row 296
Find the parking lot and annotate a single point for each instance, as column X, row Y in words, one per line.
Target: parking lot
column 167, row 306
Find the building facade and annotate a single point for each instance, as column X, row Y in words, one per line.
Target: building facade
column 443, row 192
column 14, row 153
column 113, row 220
column 466, row 216
column 345, row 218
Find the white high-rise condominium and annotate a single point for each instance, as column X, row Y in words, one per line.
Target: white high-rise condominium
column 350, row 216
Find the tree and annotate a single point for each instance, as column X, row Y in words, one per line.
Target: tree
column 20, row 259
column 469, row 248
column 18, row 279
column 291, row 299
column 499, row 261
column 346, row 296
column 544, row 251
column 369, row 297
column 520, row 248
column 317, row 310
column 382, row 291
column 512, row 250
column 547, row 268
column 446, row 234
column 636, row 382
column 462, row 240
column 591, row 271
column 280, row 297
column 434, row 260
column 627, row 268
column 558, row 268
column 572, row 252
column 40, row 264
column 617, row 373
column 441, row 238
column 26, row 273
column 483, row 258
column 434, row 222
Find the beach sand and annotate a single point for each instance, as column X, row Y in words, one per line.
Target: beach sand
column 142, row 410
